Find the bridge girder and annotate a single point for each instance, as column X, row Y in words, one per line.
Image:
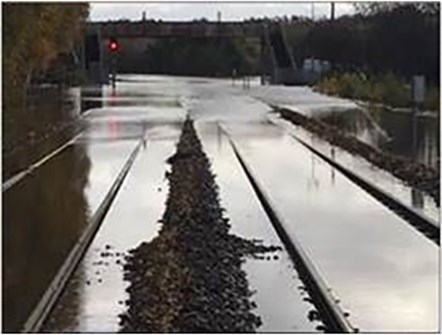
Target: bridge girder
column 157, row 29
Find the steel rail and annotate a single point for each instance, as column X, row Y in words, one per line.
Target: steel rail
column 31, row 168
column 331, row 314
column 426, row 226
column 53, row 292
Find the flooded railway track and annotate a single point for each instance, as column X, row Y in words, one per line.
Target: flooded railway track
column 31, row 168
column 296, row 213
column 423, row 224
column 330, row 313
column 19, row 176
column 343, row 265
column 334, row 318
column 56, row 287
column 189, row 278
column 419, row 220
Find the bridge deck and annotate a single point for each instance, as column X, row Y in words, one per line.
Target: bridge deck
column 178, row 29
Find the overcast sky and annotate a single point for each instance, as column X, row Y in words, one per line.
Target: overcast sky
column 229, row 10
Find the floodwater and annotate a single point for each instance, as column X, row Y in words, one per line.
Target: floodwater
column 97, row 284
column 32, row 132
column 44, row 214
column 35, row 240
column 86, row 305
column 397, row 132
column 384, row 272
column 278, row 296
column 418, row 200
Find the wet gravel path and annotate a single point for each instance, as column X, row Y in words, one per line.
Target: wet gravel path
column 416, row 175
column 189, row 278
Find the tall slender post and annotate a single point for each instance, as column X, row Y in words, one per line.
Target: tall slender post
column 313, row 11
column 418, row 98
column 261, row 59
column 114, row 70
column 417, row 198
column 113, row 47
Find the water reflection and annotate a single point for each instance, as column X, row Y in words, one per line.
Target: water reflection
column 91, row 97
column 40, row 226
column 385, row 273
column 333, row 154
column 98, row 283
column 41, row 223
column 42, row 123
column 401, row 133
column 279, row 300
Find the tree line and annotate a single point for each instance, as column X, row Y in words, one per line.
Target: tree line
column 402, row 38
column 36, row 39
column 34, row 34
column 198, row 56
column 397, row 37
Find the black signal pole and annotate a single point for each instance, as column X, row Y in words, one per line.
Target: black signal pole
column 332, row 11
column 113, row 70
column 113, row 47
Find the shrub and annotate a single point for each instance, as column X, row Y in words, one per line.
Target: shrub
column 388, row 89
column 432, row 99
column 394, row 91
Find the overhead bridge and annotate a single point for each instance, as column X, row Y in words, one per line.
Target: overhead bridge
column 157, row 29
column 277, row 65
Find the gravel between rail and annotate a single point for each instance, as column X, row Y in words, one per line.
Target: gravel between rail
column 416, row 175
column 189, row 278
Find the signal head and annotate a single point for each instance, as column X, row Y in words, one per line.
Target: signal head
column 113, row 45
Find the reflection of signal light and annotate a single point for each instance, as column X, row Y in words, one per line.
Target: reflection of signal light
column 113, row 127
column 113, row 45
column 112, row 100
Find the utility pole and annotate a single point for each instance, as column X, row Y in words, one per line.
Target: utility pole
column 332, row 11
column 313, row 11
column 312, row 57
column 418, row 98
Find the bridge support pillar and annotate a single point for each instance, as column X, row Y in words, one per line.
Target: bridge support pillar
column 93, row 58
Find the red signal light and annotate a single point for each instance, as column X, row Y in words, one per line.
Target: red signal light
column 113, row 45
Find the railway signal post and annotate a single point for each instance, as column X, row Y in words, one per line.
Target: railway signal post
column 113, row 48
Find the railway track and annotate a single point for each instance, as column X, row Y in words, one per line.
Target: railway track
column 334, row 318
column 426, row 226
column 19, row 176
column 55, row 289
column 332, row 315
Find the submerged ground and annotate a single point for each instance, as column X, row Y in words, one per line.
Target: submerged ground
column 383, row 271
